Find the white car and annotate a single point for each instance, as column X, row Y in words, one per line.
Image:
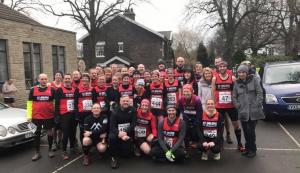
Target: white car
column 14, row 128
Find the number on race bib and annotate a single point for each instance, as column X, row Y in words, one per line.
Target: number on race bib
column 210, row 133
column 87, row 105
column 102, row 104
column 172, row 98
column 123, row 127
column 225, row 97
column 70, row 105
column 169, row 142
column 156, row 102
column 140, row 132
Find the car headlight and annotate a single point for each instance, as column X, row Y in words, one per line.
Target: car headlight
column 11, row 130
column 271, row 99
column 3, row 131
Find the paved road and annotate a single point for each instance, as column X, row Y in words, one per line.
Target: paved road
column 278, row 142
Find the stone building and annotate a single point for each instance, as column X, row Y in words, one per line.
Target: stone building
column 28, row 48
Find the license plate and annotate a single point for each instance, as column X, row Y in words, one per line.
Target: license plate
column 294, row 107
column 28, row 135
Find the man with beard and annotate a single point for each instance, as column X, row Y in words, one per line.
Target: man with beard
column 179, row 69
column 121, row 133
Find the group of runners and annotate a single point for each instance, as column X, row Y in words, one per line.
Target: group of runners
column 165, row 114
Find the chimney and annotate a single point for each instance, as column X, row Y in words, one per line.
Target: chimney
column 129, row 13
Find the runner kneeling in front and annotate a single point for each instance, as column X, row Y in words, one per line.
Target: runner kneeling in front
column 171, row 134
column 211, row 131
column 145, row 128
column 95, row 132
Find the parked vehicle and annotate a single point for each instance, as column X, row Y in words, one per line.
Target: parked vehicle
column 281, row 82
column 14, row 128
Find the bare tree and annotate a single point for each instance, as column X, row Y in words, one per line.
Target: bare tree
column 290, row 26
column 259, row 28
column 24, row 6
column 185, row 43
column 228, row 14
column 90, row 14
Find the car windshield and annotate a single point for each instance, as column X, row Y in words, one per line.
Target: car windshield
column 285, row 74
column 2, row 106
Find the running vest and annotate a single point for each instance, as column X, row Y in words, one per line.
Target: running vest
column 85, row 101
column 210, row 125
column 101, row 95
column 223, row 92
column 76, row 85
column 42, row 104
column 94, row 83
column 126, row 92
column 171, row 133
column 67, row 100
column 143, row 124
column 156, row 96
column 52, row 84
column 172, row 92
column 178, row 75
column 189, row 109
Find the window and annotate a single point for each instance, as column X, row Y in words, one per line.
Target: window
column 32, row 63
column 58, row 58
column 121, row 47
column 3, row 62
column 100, row 49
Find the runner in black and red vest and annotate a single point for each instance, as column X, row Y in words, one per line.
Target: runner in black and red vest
column 40, row 111
column 108, row 76
column 156, row 90
column 139, row 93
column 126, row 89
column 76, row 76
column 57, row 134
column 145, row 128
column 222, row 87
column 99, row 94
column 171, row 133
column 179, row 69
column 190, row 108
column 173, row 89
column 211, row 131
column 64, row 107
column 83, row 101
column 94, row 77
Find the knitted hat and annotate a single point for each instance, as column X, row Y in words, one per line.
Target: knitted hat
column 145, row 101
column 243, row 68
column 140, row 82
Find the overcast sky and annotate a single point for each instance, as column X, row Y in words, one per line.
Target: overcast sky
column 160, row 15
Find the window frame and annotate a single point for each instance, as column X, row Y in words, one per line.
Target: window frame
column 100, row 45
column 121, row 45
column 5, row 51
column 58, row 61
column 32, row 54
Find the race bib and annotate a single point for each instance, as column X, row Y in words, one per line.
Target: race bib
column 225, row 97
column 123, row 127
column 140, row 132
column 87, row 105
column 210, row 133
column 70, row 105
column 156, row 102
column 172, row 99
column 102, row 104
column 169, row 142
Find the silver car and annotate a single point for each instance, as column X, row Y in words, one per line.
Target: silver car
column 14, row 128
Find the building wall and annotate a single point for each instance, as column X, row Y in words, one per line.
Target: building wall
column 140, row 45
column 16, row 33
